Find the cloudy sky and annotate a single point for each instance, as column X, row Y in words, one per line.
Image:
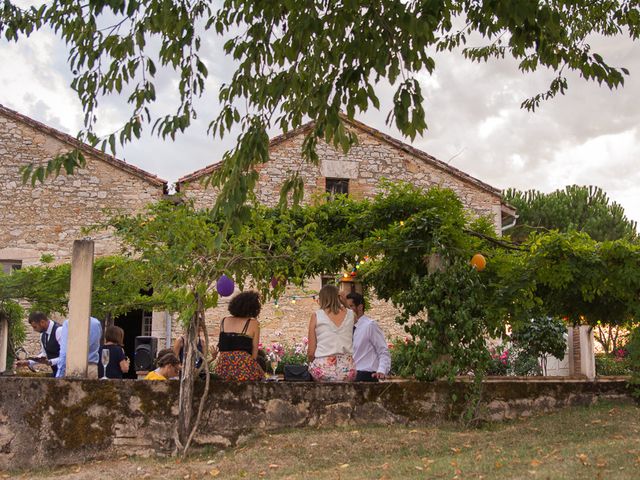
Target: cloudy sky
column 590, row 136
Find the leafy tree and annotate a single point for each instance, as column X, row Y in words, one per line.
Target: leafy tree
column 540, row 338
column 298, row 60
column 579, row 208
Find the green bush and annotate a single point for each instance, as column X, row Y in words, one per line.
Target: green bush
column 13, row 313
column 525, row 364
column 401, row 351
column 633, row 347
column 611, row 365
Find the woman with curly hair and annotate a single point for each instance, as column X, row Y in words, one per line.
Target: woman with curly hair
column 239, row 339
column 330, row 338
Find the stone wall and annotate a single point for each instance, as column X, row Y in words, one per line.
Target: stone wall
column 371, row 160
column 46, row 218
column 44, row 422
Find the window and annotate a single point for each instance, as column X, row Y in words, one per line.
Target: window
column 337, row 186
column 9, row 266
column 146, row 324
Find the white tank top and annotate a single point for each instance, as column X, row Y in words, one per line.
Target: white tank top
column 333, row 340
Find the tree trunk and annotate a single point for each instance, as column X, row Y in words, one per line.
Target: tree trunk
column 186, row 385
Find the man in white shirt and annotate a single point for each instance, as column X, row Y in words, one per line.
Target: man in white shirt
column 95, row 336
column 50, row 335
column 370, row 350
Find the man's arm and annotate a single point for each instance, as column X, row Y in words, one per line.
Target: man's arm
column 382, row 350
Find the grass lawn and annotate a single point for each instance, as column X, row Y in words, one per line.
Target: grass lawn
column 576, row 443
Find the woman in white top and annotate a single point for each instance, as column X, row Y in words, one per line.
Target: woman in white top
column 330, row 339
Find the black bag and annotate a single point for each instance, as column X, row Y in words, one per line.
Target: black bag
column 296, row 373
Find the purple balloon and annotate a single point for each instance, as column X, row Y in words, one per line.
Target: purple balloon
column 225, row 286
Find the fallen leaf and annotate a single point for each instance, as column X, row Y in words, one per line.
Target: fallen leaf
column 594, row 422
column 453, row 463
column 419, row 468
column 455, row 450
column 77, row 469
column 601, row 463
column 478, row 456
column 313, row 445
column 211, row 462
column 498, row 465
column 214, row 472
column 273, row 465
column 583, row 458
column 535, row 463
column 344, row 465
column 384, row 466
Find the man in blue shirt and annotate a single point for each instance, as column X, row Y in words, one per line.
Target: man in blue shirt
column 95, row 335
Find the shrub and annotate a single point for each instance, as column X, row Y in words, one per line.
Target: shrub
column 499, row 364
column 633, row 348
column 525, row 364
column 612, row 365
column 539, row 339
column 401, row 351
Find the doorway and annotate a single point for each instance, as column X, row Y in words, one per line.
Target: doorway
column 131, row 322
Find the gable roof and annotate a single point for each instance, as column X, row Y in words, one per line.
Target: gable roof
column 75, row 143
column 425, row 157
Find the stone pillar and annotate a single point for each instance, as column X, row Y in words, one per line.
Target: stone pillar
column 4, row 343
column 79, row 308
column 582, row 360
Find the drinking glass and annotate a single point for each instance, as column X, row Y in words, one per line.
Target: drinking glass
column 274, row 366
column 105, row 361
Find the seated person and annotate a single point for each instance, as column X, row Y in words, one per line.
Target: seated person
column 168, row 366
column 330, row 350
column 118, row 362
column 239, row 339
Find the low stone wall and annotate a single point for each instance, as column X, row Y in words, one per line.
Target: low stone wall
column 46, row 421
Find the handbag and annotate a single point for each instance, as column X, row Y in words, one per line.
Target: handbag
column 296, row 373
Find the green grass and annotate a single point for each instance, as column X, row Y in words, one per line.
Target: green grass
column 575, row 443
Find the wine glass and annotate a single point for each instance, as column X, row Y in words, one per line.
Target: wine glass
column 104, row 359
column 274, row 366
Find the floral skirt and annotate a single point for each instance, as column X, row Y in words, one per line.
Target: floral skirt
column 237, row 366
column 333, row 368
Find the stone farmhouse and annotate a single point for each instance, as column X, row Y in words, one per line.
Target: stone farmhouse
column 45, row 219
column 357, row 174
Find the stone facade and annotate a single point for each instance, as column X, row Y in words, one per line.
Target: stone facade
column 46, row 422
column 46, row 218
column 376, row 156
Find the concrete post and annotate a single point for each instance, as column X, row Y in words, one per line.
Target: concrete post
column 4, row 343
column 79, row 308
column 582, row 360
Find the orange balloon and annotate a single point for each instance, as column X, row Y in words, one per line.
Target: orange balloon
column 478, row 262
